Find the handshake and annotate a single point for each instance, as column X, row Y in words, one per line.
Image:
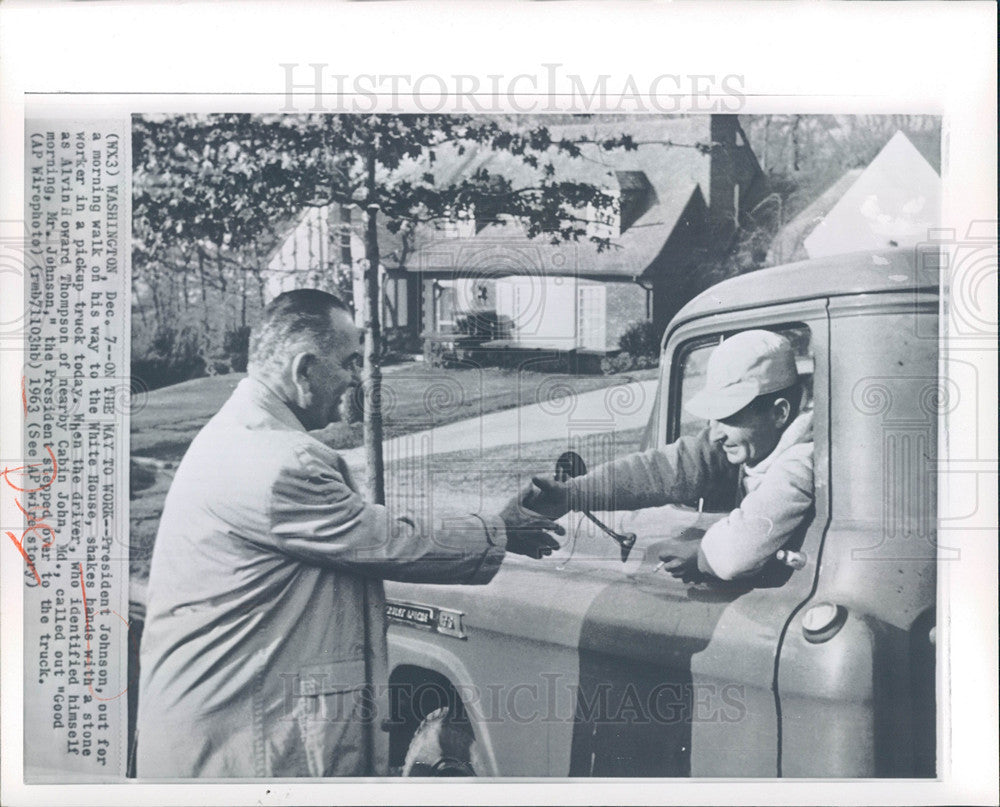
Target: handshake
column 529, row 517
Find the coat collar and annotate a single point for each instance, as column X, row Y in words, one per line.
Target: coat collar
column 259, row 395
column 798, row 431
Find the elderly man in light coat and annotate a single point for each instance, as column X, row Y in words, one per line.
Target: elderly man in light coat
column 751, row 401
column 264, row 650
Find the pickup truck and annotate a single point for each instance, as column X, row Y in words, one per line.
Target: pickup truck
column 823, row 665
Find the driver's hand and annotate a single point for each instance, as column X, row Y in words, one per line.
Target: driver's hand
column 527, row 530
column 547, row 497
column 679, row 557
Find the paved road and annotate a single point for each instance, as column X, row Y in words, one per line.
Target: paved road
column 621, row 407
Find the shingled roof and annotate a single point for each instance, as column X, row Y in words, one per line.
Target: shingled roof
column 676, row 170
column 894, row 201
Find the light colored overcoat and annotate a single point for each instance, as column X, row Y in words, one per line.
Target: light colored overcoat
column 264, row 651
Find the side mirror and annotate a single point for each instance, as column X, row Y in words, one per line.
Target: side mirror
column 570, row 465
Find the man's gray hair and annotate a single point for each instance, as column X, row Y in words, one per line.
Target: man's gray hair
column 290, row 318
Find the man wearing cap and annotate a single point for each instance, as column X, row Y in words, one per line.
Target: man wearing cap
column 751, row 401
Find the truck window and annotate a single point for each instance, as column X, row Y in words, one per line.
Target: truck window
column 689, row 374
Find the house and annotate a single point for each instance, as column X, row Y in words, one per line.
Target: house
column 894, row 201
column 322, row 247
column 679, row 196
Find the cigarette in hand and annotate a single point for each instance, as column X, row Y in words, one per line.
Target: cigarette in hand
column 660, row 566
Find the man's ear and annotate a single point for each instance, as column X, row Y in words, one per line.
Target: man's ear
column 782, row 412
column 302, row 365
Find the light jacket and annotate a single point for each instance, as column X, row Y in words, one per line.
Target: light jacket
column 264, row 651
column 775, row 496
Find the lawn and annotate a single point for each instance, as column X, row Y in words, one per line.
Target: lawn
column 477, row 481
column 416, row 397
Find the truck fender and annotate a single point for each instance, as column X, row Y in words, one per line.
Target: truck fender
column 416, row 651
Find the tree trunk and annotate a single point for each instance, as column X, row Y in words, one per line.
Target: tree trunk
column 137, row 300
column 346, row 259
column 372, row 372
column 204, row 290
column 795, row 142
column 243, row 301
column 764, row 158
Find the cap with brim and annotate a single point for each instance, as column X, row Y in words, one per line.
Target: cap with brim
column 723, row 403
column 746, row 365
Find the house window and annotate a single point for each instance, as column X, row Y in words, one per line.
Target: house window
column 445, row 305
column 394, row 311
column 591, row 321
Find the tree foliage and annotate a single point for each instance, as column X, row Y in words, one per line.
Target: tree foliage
column 212, row 195
column 226, row 182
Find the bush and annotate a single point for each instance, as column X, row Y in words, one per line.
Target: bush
column 397, row 345
column 442, row 349
column 172, row 355
column 485, row 325
column 624, row 362
column 641, row 340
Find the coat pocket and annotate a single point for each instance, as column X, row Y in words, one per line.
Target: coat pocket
column 335, row 718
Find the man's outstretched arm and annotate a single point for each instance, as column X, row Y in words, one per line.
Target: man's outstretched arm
column 318, row 518
column 675, row 474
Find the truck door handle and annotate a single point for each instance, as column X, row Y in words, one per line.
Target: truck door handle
column 789, row 557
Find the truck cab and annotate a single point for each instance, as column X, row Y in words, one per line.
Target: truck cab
column 822, row 665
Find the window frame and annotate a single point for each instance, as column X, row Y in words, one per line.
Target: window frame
column 684, row 349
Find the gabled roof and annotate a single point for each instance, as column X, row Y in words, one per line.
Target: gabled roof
column 787, row 245
column 895, row 202
column 674, row 172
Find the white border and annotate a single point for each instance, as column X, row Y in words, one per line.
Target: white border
column 795, row 56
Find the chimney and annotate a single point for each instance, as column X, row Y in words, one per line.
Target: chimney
column 723, row 187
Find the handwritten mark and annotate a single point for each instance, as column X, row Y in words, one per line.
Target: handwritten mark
column 25, row 555
column 24, row 397
column 52, row 478
column 86, row 614
column 34, row 525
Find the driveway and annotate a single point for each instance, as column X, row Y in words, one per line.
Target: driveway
column 562, row 414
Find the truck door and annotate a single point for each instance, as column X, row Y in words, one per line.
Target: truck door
column 678, row 679
column 859, row 658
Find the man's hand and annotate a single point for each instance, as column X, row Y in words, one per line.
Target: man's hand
column 679, row 556
column 527, row 530
column 547, row 497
